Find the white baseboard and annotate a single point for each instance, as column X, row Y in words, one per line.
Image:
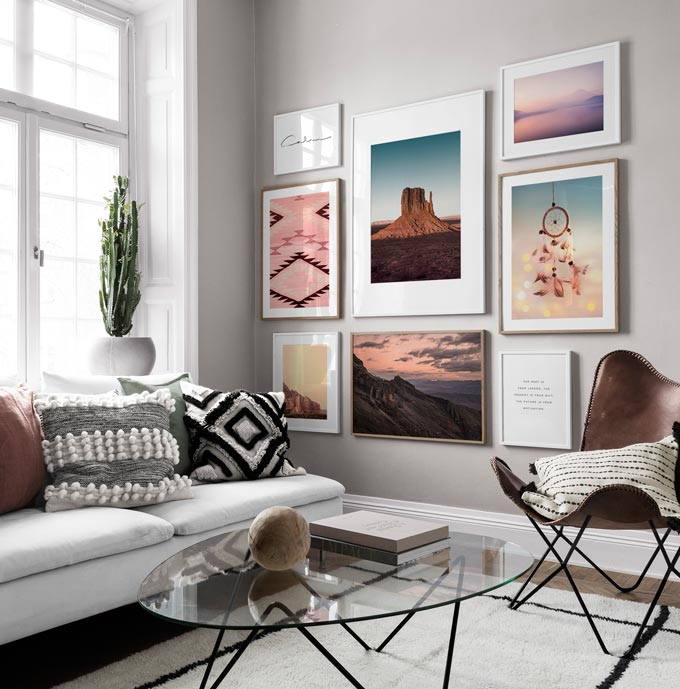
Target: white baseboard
column 618, row 551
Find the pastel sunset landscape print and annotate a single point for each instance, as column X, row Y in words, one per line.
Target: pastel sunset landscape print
column 305, row 380
column 418, row 385
column 563, row 102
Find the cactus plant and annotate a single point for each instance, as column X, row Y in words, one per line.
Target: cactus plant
column 119, row 293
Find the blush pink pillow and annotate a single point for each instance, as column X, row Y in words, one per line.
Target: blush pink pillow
column 22, row 469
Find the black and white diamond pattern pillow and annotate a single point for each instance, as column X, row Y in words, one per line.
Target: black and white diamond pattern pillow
column 236, row 435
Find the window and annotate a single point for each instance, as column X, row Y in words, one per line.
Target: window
column 74, row 176
column 9, row 243
column 64, row 57
column 62, row 139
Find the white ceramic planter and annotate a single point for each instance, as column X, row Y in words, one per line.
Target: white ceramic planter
column 122, row 356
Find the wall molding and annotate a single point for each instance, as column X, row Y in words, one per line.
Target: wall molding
column 618, row 551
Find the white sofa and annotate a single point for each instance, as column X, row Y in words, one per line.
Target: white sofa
column 62, row 566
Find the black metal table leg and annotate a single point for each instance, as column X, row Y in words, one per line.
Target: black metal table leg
column 232, row 662
column 211, row 662
column 331, row 658
column 452, row 641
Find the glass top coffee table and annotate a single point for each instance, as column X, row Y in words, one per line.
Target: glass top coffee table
column 215, row 583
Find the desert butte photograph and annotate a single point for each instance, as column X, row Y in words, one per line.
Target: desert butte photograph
column 415, row 209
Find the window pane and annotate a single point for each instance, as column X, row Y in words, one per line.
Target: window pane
column 6, row 66
column 9, row 233
column 54, row 31
column 96, row 93
column 89, row 232
column 56, row 226
column 87, row 275
column 76, row 60
column 54, row 81
column 7, row 19
column 57, row 164
column 75, row 176
column 96, row 166
column 97, row 46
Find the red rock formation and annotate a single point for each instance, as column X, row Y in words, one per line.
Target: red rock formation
column 417, row 217
column 300, row 406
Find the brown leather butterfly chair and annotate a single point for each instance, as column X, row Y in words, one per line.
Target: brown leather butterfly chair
column 631, row 402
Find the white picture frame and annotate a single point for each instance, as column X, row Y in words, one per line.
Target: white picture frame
column 303, row 368
column 301, row 251
column 587, row 194
column 307, row 139
column 536, row 399
column 557, row 105
column 464, row 293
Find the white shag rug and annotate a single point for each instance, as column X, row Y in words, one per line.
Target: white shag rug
column 547, row 643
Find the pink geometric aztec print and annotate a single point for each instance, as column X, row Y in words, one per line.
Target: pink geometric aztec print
column 298, row 251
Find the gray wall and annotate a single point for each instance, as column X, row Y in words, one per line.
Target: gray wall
column 372, row 54
column 225, row 192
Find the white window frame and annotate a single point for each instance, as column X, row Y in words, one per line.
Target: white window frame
column 109, row 16
column 36, row 124
column 33, row 115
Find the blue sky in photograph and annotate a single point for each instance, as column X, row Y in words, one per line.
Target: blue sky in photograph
column 581, row 198
column 431, row 162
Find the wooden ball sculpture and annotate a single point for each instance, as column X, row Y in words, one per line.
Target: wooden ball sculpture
column 279, row 538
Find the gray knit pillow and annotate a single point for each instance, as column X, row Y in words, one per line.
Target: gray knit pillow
column 109, row 450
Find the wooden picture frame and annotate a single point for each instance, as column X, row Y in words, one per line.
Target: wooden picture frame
column 576, row 265
column 436, row 360
column 300, row 251
column 562, row 102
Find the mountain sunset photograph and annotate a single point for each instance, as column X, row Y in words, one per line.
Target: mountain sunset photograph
column 426, row 385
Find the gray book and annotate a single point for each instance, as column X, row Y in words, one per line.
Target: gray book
column 380, row 531
column 360, row 552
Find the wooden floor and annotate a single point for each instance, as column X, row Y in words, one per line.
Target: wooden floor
column 589, row 580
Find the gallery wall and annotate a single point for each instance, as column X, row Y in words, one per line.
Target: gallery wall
column 225, row 192
column 374, row 54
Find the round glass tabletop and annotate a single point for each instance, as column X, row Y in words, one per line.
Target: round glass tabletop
column 215, row 583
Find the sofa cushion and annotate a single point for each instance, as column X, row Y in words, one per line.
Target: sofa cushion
column 217, row 505
column 33, row 541
column 21, row 468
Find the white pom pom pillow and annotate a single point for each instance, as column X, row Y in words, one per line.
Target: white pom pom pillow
column 109, row 450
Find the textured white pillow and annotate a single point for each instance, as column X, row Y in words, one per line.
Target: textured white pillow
column 564, row 481
column 109, row 450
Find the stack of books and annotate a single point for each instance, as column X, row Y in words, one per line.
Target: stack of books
column 379, row 537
